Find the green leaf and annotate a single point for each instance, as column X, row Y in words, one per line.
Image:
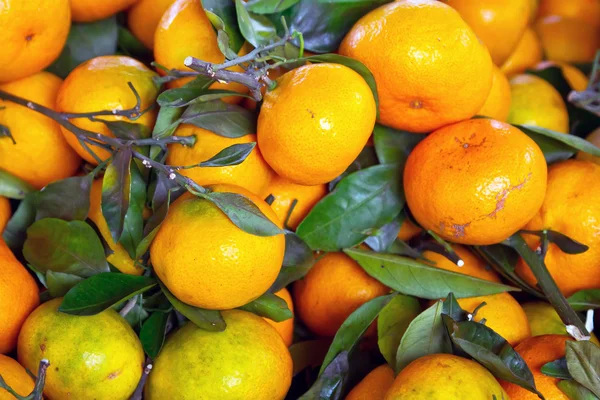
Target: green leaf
column 132, row 46
column 269, row 306
column 258, row 30
column 67, row 199
column 585, row 300
column 59, row 284
column 232, row 155
column 68, row 247
column 269, row 6
column 228, row 120
column 225, row 11
column 188, row 93
column 392, row 322
column 583, row 362
column 349, row 334
column 15, row 232
column 569, row 142
column 297, row 261
column 127, row 130
column 308, row 354
column 394, row 146
column 367, row 158
column 153, row 332
column 209, row 320
column 86, row 41
column 364, row 200
column 116, row 190
column 413, row 278
column 166, row 122
column 330, row 384
column 13, row 187
column 102, row 291
column 133, row 224
column 575, row 391
column 382, row 239
column 557, row 369
column 564, row 243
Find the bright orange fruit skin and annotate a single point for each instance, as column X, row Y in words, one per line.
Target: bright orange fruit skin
column 94, row 10
column 497, row 104
column 5, row 213
column 285, row 328
column 315, row 122
column 16, row 377
column 587, row 11
column 374, row 386
column 527, row 54
column 593, row 138
column 567, row 39
column 428, row 75
column 408, row 230
column 143, row 18
column 475, row 182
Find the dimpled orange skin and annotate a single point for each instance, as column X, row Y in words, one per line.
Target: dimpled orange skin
column 527, row 54
column 497, row 104
column 473, row 265
column 102, row 84
column 230, row 269
column 576, row 79
column 184, row 30
column 334, row 288
column 593, row 138
column 5, row 213
column 143, row 18
column 18, row 298
column 571, row 207
column 253, row 174
column 286, row 192
column 33, row 35
column 408, row 230
column 16, row 377
column 428, row 75
column 315, row 122
column 583, row 10
column 567, row 39
column 475, row 182
column 285, row 328
column 374, row 386
column 94, row 10
column 536, row 352
column 498, row 23
column 41, row 155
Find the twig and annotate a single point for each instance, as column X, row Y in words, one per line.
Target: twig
column 139, row 390
column 128, row 306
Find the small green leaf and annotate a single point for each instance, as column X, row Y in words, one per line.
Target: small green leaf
column 575, row 391
column 13, row 187
column 67, row 199
column 564, row 243
column 392, row 322
column 394, row 146
column 228, row 120
column 557, row 369
column 297, row 261
column 133, row 224
column 308, row 354
column 269, row 6
column 116, row 190
column 269, row 306
column 225, row 12
column 583, row 362
column 15, row 232
column 585, row 300
column 382, row 239
column 59, row 284
column 258, row 30
column 232, row 155
column 573, row 143
column 187, row 94
column 330, row 383
column 153, row 332
column 127, row 130
column 166, row 122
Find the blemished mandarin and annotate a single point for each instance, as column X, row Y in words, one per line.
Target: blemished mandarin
column 285, row 328
column 473, row 265
column 536, row 102
column 16, row 377
column 33, row 35
column 374, row 386
column 248, row 360
column 583, row 10
column 593, row 138
column 544, row 320
column 576, row 79
column 315, row 122
column 498, row 23
column 475, row 182
column 571, row 207
column 91, row 357
column 428, row 75
column 408, row 230
column 39, row 154
column 208, row 262
column 567, row 39
column 502, row 313
column 536, row 352
column 293, row 202
column 5, row 213
column 93, row 10
column 527, row 54
column 497, row 104
column 102, row 83
column 18, row 298
column 444, row 377
column 120, row 257
column 184, row 30
column 324, row 305
column 253, row 174
column 143, row 18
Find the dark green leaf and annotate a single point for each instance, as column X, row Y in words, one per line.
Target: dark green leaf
column 133, row 225
column 413, row 278
column 225, row 11
column 557, row 369
column 132, row 46
column 59, row 284
column 570, row 142
column 583, row 362
column 392, row 322
column 585, row 299
column 269, row 306
column 67, row 199
column 330, row 384
column 257, row 29
column 364, row 200
column 394, row 146
column 68, row 247
column 127, row 130
column 166, row 122
column 575, row 391
column 15, row 232
column 232, row 155
column 564, row 243
column 269, row 6
column 186, row 94
column 102, row 291
column 297, row 261
column 116, row 191
column 451, row 308
column 349, row 334
column 308, row 354
column 383, row 237
column 13, row 187
column 228, row 120
column 153, row 333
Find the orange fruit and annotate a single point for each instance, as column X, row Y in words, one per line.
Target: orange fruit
column 497, row 104
column 567, row 39
column 285, row 328
column 33, row 35
column 374, row 386
column 593, row 138
column 536, row 352
column 473, row 265
column 143, row 18
column 571, row 207
column 423, row 77
column 444, row 377
column 576, row 79
column 332, row 290
column 287, row 194
column 498, row 23
column 527, row 54
column 252, row 174
column 102, row 84
column 92, row 10
column 18, row 298
column 16, row 377
column 587, row 11
column 475, row 182
column 536, row 102
column 207, row 261
column 5, row 213
column 41, row 155
column 408, row 230
column 248, row 360
column 308, row 130
column 184, row 30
